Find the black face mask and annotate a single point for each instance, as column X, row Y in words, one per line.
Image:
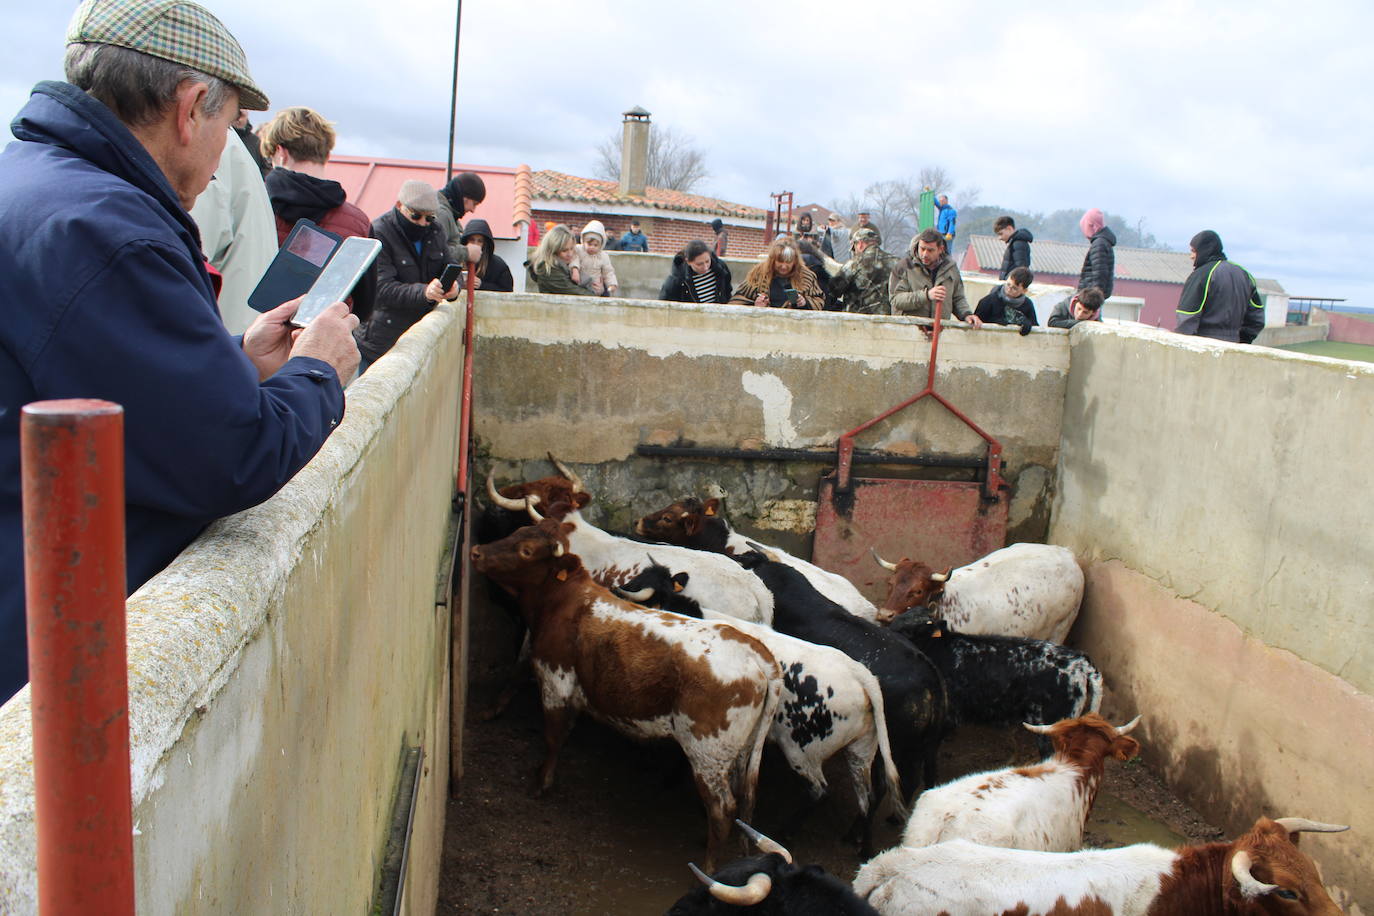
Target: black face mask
column 413, row 232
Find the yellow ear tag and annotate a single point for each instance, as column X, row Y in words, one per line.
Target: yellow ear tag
column 710, row 510
column 562, row 575
column 677, row 586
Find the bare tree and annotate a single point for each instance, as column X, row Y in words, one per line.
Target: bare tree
column 936, row 178
column 675, row 162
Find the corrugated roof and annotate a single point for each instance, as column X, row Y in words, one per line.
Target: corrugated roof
column 1149, row 264
column 371, row 185
column 550, row 185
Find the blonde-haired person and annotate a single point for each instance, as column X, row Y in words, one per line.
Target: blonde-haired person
column 768, row 282
column 593, row 264
column 550, row 267
column 298, row 141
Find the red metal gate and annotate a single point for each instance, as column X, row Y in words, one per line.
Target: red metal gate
column 940, row 522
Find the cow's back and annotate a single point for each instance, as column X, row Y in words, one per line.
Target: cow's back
column 1030, row 590
column 959, row 878
column 1041, row 806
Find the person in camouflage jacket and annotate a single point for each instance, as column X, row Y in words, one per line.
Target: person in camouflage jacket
column 861, row 284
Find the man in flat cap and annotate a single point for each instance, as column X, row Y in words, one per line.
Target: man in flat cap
column 104, row 291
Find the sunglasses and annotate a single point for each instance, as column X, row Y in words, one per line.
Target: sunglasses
column 418, row 217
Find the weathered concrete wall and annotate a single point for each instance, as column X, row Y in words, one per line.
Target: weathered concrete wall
column 1283, row 335
column 641, row 274
column 590, row 381
column 277, row 667
column 1231, row 571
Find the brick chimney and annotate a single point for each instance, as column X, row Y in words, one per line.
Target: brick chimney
column 634, row 153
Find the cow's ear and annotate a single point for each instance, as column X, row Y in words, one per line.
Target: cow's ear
column 712, row 506
column 937, row 633
column 691, row 524
column 679, row 581
column 580, row 500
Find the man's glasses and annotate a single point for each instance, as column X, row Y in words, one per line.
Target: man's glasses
column 418, row 217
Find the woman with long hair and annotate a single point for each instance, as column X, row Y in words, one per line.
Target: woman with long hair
column 780, row 280
column 549, row 268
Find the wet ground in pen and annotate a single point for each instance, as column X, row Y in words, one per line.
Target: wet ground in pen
column 613, row 838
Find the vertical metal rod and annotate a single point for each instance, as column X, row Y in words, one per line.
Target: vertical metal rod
column 72, row 460
column 453, row 94
column 465, row 407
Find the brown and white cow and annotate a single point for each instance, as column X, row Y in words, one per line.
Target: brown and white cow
column 1259, row 874
column 1030, row 590
column 648, row 674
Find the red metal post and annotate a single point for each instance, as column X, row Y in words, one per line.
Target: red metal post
column 465, row 417
column 72, row 459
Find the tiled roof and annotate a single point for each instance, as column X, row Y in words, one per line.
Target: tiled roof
column 1149, row 264
column 371, row 185
column 550, row 185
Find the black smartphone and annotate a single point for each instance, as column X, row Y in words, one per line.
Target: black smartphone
column 449, row 276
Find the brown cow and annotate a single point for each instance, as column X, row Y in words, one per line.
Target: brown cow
column 648, row 674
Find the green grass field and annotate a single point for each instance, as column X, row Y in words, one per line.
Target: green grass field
column 1363, row 353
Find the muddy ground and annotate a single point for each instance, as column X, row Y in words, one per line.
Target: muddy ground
column 615, row 834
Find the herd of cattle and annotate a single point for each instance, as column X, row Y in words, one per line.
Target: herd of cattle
column 689, row 631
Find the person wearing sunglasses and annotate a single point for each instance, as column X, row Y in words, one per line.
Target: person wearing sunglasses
column 414, row 252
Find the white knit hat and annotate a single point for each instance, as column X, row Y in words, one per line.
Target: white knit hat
column 595, row 228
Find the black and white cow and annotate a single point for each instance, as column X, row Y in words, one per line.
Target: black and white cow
column 1005, row 680
column 914, row 697
column 830, row 703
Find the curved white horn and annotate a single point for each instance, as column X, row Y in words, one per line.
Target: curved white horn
column 529, row 507
column 505, row 502
column 939, row 577
column 566, row 472
column 1038, row 729
column 764, row 843
column 1300, row 824
column 890, row 567
column 558, row 549
column 751, row 893
column 1240, row 870
column 1128, row 727
column 639, row 597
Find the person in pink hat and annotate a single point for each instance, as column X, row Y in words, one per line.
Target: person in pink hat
column 1099, row 267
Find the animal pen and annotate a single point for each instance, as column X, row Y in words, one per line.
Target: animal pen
column 293, row 665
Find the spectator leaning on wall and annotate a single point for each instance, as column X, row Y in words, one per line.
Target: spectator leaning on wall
column 104, row 292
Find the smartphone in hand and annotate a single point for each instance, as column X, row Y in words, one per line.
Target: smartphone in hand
column 340, row 275
column 450, row 276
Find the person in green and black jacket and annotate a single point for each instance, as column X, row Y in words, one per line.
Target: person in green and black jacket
column 1220, row 299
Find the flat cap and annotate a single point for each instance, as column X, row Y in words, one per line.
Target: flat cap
column 175, row 30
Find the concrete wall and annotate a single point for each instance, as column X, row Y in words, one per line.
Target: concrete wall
column 278, row 666
column 591, row 380
column 1283, row 335
column 1231, row 572
column 1348, row 329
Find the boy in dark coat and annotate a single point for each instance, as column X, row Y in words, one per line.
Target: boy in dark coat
column 1219, row 298
column 1018, row 253
column 1009, row 304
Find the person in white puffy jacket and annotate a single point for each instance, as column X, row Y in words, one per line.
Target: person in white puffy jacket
column 594, row 269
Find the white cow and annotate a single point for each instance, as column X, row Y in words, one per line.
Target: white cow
column 1030, row 590
column 960, row 878
column 1042, row 806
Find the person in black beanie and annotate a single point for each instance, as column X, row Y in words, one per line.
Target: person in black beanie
column 457, row 199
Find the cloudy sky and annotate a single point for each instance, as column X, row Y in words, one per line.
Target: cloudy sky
column 1250, row 118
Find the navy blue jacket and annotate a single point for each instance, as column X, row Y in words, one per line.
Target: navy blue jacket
column 634, row 241
column 104, row 294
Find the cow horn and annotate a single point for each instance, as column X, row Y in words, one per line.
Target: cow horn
column 1249, row 885
column 1128, row 727
column 529, row 507
column 567, row 472
column 1038, row 729
column 505, row 502
column 764, row 843
column 939, row 577
column 890, row 567
column 751, row 893
column 1300, row 824
column 558, row 550
column 639, row 597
